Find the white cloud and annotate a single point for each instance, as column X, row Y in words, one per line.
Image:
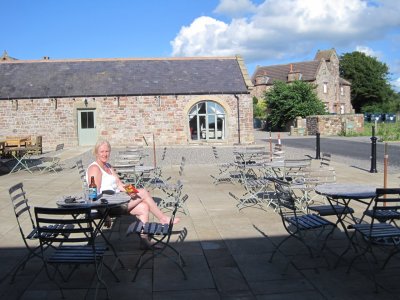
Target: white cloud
column 280, row 28
column 235, row 8
column 370, row 52
column 204, row 37
column 396, row 84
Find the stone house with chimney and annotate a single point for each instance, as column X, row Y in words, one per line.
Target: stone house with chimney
column 323, row 71
column 178, row 101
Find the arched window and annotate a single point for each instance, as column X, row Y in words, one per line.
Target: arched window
column 207, row 121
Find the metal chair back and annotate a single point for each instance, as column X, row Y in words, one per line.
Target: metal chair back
column 26, row 224
column 74, row 231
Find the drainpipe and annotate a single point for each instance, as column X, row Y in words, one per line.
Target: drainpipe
column 238, row 116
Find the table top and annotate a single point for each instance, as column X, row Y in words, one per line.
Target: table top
column 346, row 190
column 112, row 200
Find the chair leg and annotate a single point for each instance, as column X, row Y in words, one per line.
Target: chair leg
column 156, row 252
column 277, row 247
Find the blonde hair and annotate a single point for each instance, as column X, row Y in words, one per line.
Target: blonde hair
column 99, row 144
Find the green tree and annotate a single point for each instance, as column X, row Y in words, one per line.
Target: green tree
column 370, row 88
column 259, row 108
column 288, row 101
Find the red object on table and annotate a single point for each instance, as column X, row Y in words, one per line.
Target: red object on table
column 131, row 189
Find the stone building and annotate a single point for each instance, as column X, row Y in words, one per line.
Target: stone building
column 323, row 71
column 179, row 101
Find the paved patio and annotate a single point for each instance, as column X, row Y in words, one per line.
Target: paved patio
column 226, row 251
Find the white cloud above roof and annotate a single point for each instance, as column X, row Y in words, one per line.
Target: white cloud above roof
column 277, row 27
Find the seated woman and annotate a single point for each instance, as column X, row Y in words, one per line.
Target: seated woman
column 140, row 205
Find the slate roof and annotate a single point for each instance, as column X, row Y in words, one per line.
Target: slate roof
column 308, row 69
column 119, row 77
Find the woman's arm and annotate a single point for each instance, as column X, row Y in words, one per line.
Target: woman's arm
column 95, row 171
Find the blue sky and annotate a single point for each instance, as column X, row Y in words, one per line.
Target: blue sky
column 263, row 32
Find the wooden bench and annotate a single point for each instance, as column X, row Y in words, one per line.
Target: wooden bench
column 12, row 141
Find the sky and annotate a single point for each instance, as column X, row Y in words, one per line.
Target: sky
column 263, row 32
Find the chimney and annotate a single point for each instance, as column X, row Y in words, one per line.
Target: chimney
column 293, row 75
column 262, row 78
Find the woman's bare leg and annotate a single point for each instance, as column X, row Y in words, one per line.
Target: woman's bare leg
column 139, row 209
column 146, row 197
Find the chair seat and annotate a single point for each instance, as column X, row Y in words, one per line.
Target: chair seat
column 309, row 221
column 76, row 254
column 328, row 210
column 151, row 228
column 254, row 183
column 383, row 215
column 378, row 230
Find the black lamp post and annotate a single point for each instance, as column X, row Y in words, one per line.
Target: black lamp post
column 373, row 151
column 318, row 146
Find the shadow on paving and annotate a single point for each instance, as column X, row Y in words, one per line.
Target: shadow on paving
column 216, row 269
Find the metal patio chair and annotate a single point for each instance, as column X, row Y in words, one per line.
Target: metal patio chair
column 325, row 160
column 310, row 230
column 26, row 225
column 77, row 244
column 52, row 161
column 227, row 172
column 170, row 190
column 377, row 232
column 305, row 182
column 161, row 234
column 81, row 171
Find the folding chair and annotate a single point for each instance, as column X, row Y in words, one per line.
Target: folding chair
column 81, row 171
column 161, row 234
column 169, row 202
column 77, row 245
column 171, row 190
column 306, row 185
column 25, row 222
column 333, row 208
column 325, row 160
column 26, row 225
column 258, row 193
column 52, row 162
column 379, row 233
column 226, row 171
column 164, row 153
column 298, row 224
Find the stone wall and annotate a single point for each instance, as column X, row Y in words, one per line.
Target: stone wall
column 121, row 120
column 335, row 124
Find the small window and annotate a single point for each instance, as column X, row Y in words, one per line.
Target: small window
column 342, row 91
column 325, row 87
column 87, row 119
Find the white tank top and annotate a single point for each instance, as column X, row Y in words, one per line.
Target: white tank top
column 108, row 181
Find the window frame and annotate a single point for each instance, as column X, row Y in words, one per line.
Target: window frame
column 207, row 121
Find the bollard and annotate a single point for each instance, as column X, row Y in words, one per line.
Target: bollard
column 373, row 151
column 318, row 146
